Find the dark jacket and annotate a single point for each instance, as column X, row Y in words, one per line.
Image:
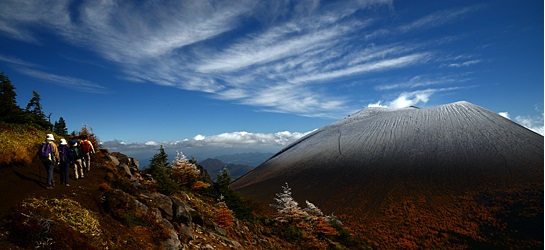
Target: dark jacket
column 65, row 154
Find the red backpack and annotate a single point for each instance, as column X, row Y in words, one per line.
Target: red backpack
column 85, row 146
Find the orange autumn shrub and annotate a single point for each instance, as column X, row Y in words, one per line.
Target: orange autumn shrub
column 224, row 216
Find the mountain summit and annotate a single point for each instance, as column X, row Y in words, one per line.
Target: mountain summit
column 443, row 166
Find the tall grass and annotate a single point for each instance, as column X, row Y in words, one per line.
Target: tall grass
column 19, row 143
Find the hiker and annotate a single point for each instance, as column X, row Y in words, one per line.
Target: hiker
column 65, row 160
column 49, row 155
column 87, row 149
column 77, row 156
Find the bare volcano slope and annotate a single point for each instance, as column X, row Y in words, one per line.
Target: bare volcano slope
column 361, row 165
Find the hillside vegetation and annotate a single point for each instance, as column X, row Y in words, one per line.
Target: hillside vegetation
column 169, row 205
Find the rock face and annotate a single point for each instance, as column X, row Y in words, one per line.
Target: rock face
column 360, row 165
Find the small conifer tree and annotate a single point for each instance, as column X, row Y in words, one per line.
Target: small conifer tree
column 287, row 207
column 35, row 112
column 313, row 210
column 222, row 191
column 59, row 127
column 10, row 112
column 158, row 169
column 184, row 171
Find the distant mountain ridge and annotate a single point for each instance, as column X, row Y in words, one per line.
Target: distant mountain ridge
column 418, row 173
column 253, row 159
column 215, row 166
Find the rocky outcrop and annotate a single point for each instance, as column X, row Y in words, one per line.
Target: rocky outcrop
column 187, row 222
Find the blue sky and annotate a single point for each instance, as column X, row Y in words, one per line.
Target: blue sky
column 260, row 74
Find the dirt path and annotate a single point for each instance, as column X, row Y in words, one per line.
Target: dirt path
column 18, row 182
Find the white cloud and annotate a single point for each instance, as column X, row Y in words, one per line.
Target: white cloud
column 533, row 123
column 197, row 138
column 413, row 98
column 504, row 114
column 407, row 99
column 152, row 143
column 377, row 105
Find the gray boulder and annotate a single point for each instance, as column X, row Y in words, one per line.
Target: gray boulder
column 182, row 211
column 114, row 159
column 164, row 203
column 173, row 242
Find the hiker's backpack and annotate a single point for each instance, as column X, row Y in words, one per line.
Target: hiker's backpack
column 85, row 147
column 45, row 151
column 76, row 152
column 64, row 153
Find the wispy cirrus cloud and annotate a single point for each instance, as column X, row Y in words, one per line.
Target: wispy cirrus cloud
column 464, row 64
column 437, row 19
column 17, row 61
column 288, row 57
column 74, row 83
column 66, row 81
column 424, row 81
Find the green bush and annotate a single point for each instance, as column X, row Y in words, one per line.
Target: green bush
column 290, row 233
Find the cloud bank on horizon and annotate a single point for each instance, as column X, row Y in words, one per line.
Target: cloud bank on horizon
column 211, row 146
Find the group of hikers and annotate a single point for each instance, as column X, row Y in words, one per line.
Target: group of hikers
column 76, row 154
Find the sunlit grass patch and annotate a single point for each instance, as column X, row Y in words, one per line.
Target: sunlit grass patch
column 54, row 223
column 19, row 143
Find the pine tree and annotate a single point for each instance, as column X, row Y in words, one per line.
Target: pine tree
column 159, row 162
column 59, row 127
column 158, row 169
column 223, row 180
column 34, row 107
column 35, row 112
column 9, row 111
column 222, row 191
